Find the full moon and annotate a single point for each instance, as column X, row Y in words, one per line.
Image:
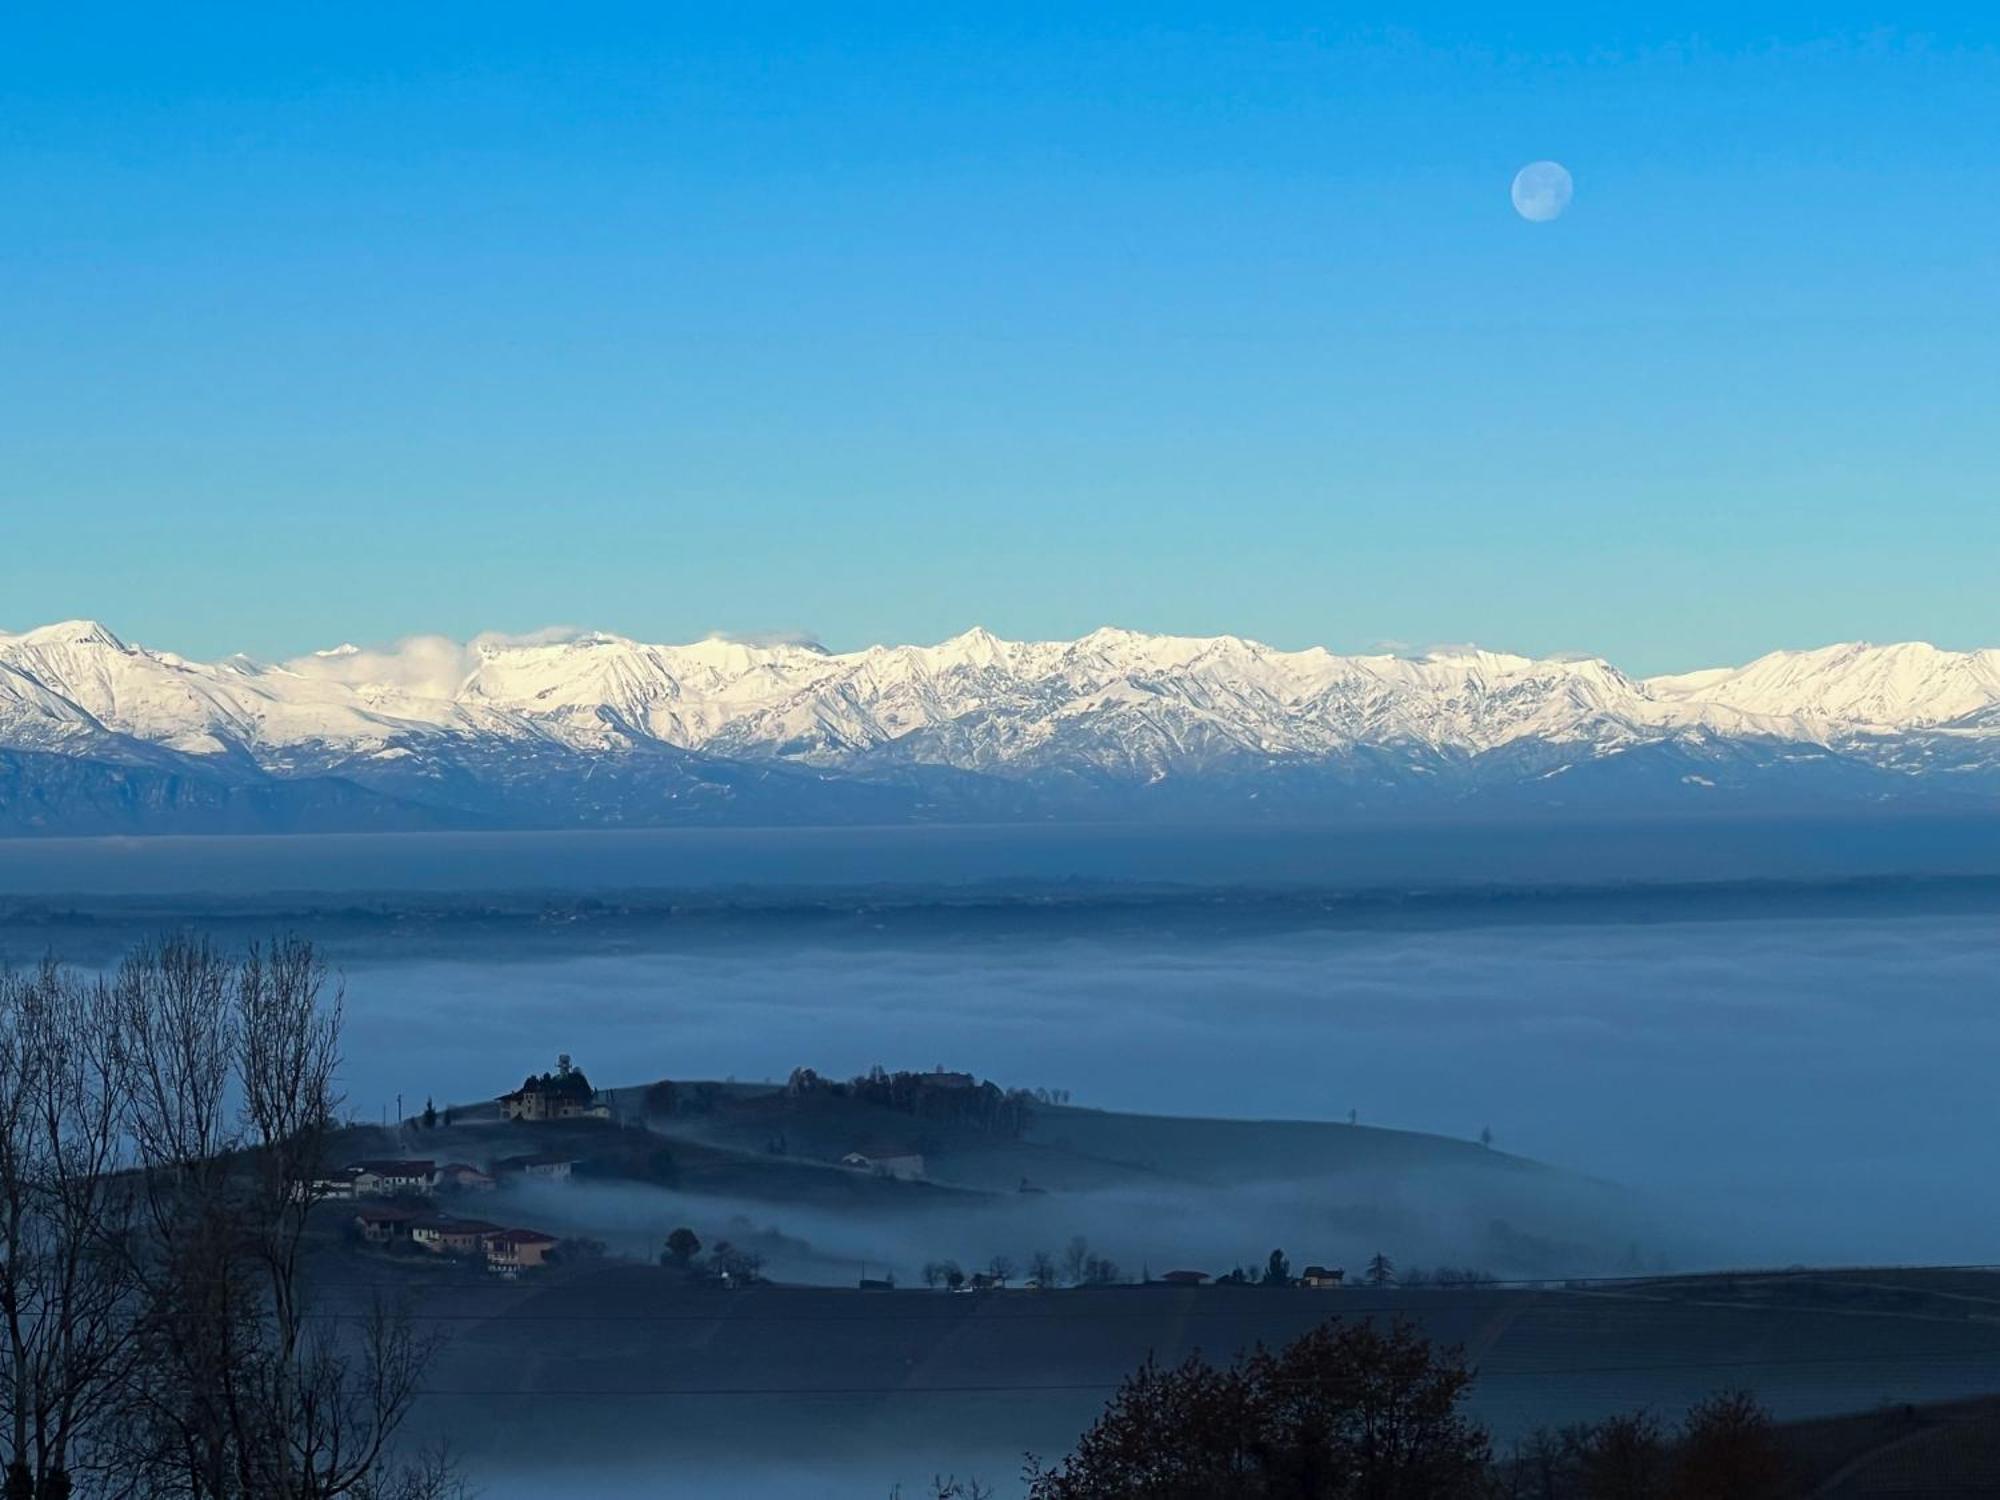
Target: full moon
column 1542, row 191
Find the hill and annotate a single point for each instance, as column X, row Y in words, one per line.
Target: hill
column 830, row 1185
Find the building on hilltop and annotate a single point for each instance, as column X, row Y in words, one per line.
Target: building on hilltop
column 562, row 1095
column 1321, row 1276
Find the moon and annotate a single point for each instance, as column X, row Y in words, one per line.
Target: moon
column 1542, row 190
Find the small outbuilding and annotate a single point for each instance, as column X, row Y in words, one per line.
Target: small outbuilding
column 904, row 1166
column 382, row 1224
column 546, row 1166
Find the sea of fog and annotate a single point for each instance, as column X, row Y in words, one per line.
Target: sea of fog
column 1787, row 1033
column 1809, row 1089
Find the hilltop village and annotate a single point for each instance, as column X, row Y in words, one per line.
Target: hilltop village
column 438, row 1205
column 422, row 1204
column 460, row 1186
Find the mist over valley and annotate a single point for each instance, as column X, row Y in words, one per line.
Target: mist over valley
column 1532, row 1055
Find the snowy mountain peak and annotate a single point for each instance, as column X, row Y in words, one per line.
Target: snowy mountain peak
column 976, row 644
column 1116, row 707
column 83, row 633
column 1856, row 684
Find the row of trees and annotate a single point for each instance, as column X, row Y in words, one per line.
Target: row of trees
column 162, row 1131
column 954, row 1098
column 1078, row 1265
column 1379, row 1272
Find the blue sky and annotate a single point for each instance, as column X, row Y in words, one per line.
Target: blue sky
column 874, row 323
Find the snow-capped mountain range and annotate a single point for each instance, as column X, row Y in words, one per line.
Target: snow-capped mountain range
column 595, row 729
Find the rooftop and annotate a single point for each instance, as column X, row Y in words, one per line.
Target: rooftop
column 522, row 1237
column 444, row 1225
column 385, row 1168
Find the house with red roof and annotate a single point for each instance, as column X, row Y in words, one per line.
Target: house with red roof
column 460, row 1176
column 512, row 1251
column 445, row 1236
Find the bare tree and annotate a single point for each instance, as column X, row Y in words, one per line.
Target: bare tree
column 950, row 1487
column 64, row 1298
column 177, row 1041
column 1076, row 1260
column 1624, row 1457
column 243, row 1391
column 1100, row 1270
column 1728, row 1450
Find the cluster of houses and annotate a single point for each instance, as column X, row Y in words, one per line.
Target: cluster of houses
column 507, row 1252
column 403, row 1178
column 395, row 1211
column 425, row 1178
column 399, row 1219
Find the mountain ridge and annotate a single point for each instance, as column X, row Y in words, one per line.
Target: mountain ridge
column 593, row 728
